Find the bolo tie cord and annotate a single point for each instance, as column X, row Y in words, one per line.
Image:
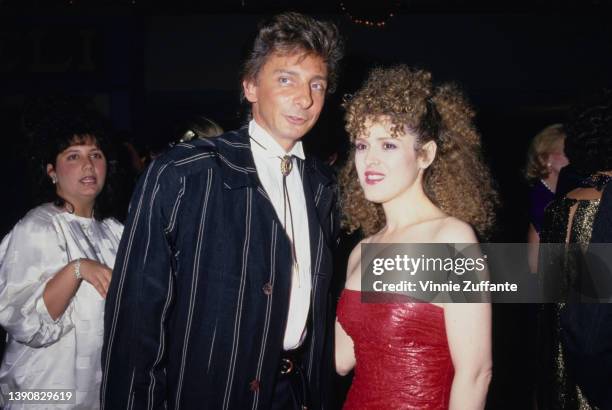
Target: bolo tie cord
column 286, row 167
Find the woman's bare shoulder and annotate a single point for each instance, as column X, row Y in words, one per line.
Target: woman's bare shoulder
column 355, row 259
column 355, row 254
column 454, row 230
column 585, row 194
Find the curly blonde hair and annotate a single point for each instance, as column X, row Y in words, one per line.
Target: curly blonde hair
column 457, row 181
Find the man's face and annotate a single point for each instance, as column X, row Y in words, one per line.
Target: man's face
column 287, row 96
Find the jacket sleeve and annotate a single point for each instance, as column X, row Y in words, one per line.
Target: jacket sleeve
column 139, row 297
column 30, row 256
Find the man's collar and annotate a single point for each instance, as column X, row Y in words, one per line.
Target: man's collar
column 263, row 142
column 234, row 149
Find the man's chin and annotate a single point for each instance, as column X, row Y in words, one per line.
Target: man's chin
column 295, row 135
column 299, row 129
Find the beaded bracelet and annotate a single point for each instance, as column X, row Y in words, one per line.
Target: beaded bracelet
column 77, row 268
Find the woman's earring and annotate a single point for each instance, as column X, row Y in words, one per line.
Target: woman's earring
column 53, row 179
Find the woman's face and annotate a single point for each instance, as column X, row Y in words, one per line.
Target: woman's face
column 79, row 172
column 557, row 158
column 387, row 167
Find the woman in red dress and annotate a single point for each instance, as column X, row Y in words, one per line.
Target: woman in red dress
column 417, row 177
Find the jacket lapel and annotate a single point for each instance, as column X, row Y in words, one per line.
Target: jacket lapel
column 236, row 160
column 238, row 169
column 318, row 191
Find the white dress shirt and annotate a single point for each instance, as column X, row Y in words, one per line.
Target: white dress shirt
column 43, row 353
column 267, row 154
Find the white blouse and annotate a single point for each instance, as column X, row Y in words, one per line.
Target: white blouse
column 43, row 353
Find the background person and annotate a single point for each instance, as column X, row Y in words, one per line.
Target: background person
column 575, row 363
column 545, row 159
column 200, row 127
column 56, row 266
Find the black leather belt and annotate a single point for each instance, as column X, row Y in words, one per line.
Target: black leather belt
column 291, row 380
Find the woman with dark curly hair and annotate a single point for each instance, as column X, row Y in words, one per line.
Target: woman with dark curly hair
column 576, row 359
column 56, row 267
column 417, row 177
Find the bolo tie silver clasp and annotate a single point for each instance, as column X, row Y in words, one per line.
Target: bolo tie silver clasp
column 286, row 165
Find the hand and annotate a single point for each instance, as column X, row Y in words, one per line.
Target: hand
column 97, row 274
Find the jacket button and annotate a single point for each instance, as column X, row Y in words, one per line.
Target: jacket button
column 254, row 385
column 267, row 288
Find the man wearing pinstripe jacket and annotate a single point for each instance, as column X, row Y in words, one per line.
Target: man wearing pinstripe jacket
column 220, row 294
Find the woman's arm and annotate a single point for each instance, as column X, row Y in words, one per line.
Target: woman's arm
column 468, row 328
column 60, row 289
column 533, row 247
column 31, row 254
column 345, row 353
column 344, row 348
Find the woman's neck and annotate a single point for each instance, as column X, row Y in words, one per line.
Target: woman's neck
column 410, row 208
column 84, row 211
column 77, row 208
column 551, row 181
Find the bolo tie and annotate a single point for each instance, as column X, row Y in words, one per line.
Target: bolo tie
column 286, row 166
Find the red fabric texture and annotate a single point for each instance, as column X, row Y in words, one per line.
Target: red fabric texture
column 403, row 359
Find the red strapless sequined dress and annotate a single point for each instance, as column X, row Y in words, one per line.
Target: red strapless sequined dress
column 403, row 359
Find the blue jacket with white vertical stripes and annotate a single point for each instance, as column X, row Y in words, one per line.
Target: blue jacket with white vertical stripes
column 197, row 306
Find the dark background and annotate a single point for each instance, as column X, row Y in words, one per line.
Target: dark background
column 148, row 64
